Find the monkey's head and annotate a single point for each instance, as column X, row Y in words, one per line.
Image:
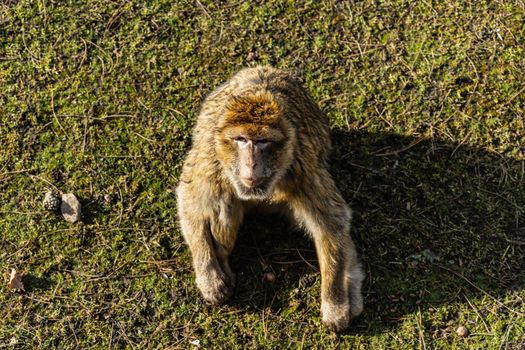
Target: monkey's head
column 254, row 143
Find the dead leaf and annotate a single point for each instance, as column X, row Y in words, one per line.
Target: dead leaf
column 15, row 281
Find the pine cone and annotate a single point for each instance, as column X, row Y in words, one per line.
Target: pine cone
column 51, row 201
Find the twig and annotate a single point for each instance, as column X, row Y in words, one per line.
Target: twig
column 111, row 336
column 113, row 18
column 144, row 138
column 54, row 113
column 465, row 139
column 121, row 202
column 44, row 10
column 480, row 290
column 203, row 9
column 46, row 181
column 514, row 241
column 176, row 111
column 31, row 55
column 73, row 331
column 265, row 328
column 21, row 212
column 420, row 329
column 479, row 315
column 519, row 93
column 85, row 134
column 412, row 144
column 519, row 208
column 84, row 55
column 14, row 172
column 306, row 261
column 103, row 156
column 506, row 336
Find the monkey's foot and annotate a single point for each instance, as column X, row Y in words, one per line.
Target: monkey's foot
column 215, row 287
column 230, row 275
column 336, row 317
column 356, row 303
column 355, row 280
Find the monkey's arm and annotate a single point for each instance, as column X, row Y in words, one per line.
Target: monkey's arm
column 213, row 283
column 322, row 211
column 209, row 224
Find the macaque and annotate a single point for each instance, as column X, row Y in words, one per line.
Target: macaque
column 260, row 141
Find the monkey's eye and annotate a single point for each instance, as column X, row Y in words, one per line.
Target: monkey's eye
column 263, row 144
column 240, row 139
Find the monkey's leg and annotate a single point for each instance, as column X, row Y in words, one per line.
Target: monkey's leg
column 327, row 219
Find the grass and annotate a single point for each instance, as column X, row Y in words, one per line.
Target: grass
column 426, row 100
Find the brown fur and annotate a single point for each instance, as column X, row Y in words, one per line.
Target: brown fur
column 261, row 103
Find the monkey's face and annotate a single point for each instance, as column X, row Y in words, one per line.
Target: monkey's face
column 254, row 158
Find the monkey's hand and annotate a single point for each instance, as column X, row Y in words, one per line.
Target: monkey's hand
column 215, row 286
column 336, row 317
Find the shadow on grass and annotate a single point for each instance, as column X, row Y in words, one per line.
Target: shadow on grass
column 435, row 224
column 34, row 283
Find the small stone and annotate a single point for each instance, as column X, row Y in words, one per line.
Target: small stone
column 70, row 207
column 269, row 277
column 462, row 331
column 51, row 201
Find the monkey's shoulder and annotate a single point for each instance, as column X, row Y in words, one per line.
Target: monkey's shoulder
column 200, row 163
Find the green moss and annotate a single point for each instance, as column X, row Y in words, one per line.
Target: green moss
column 426, row 101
